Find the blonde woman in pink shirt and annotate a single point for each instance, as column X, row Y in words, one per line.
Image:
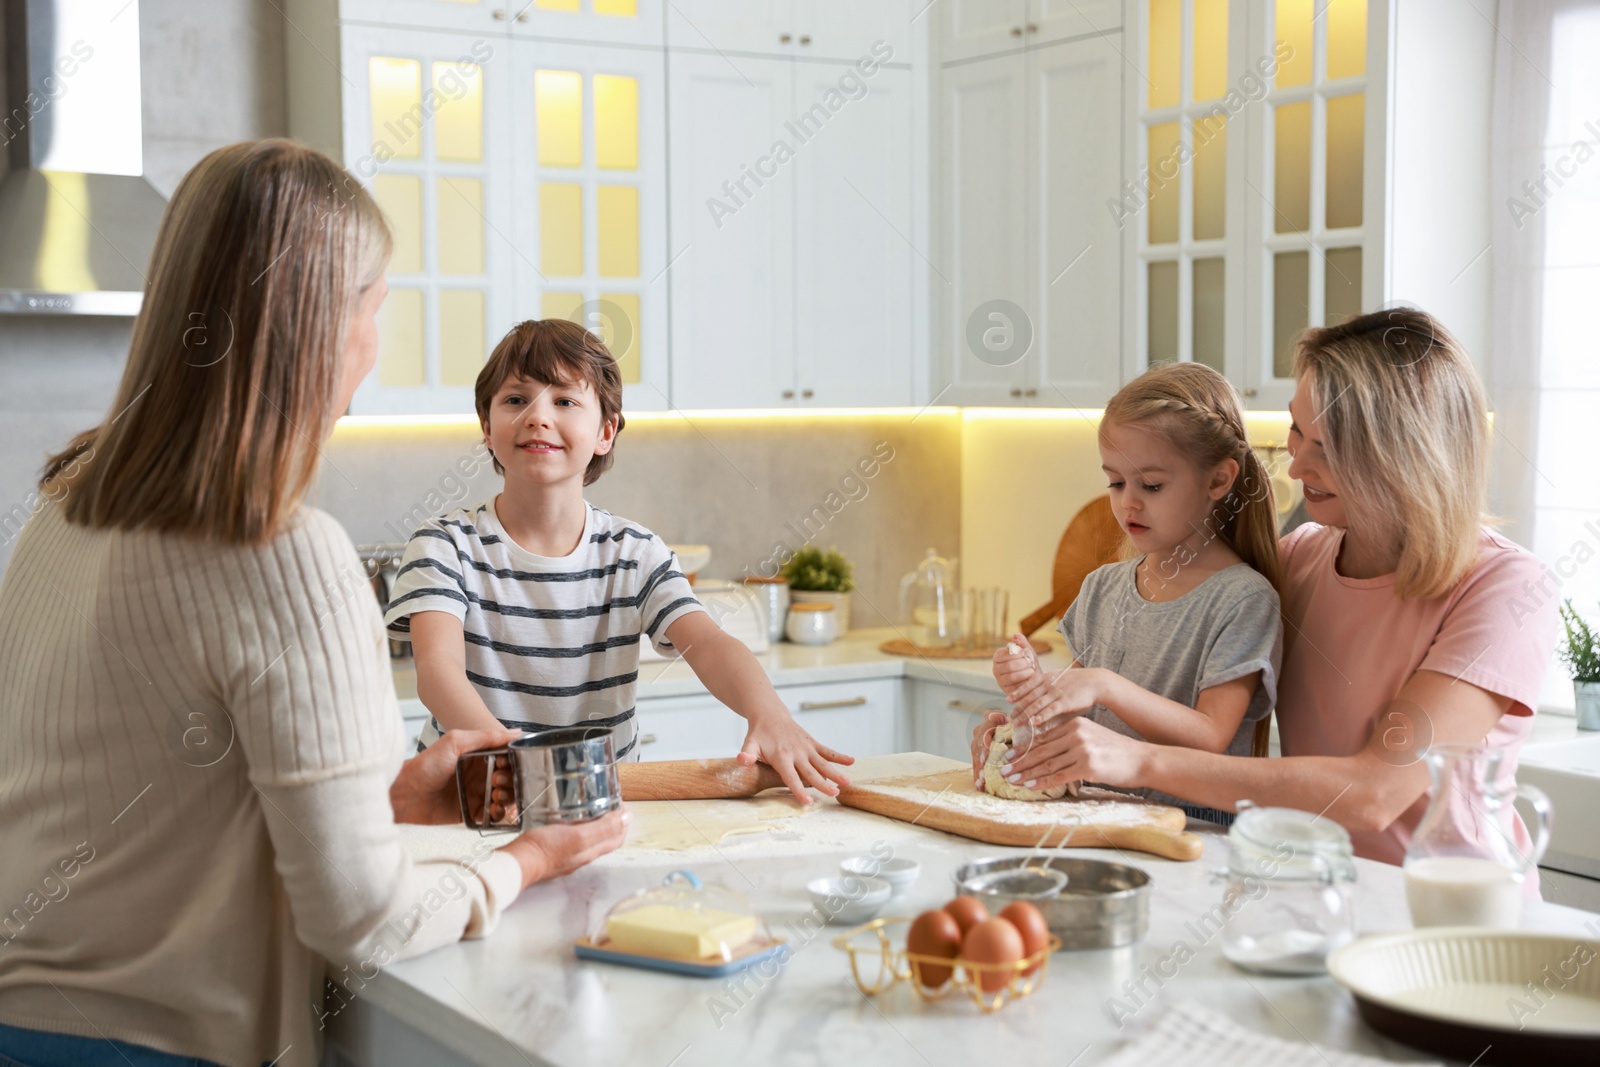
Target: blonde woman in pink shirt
column 1407, row 622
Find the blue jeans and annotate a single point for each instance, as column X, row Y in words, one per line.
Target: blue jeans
column 40, row 1048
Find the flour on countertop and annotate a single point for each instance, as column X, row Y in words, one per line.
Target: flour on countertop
column 953, row 790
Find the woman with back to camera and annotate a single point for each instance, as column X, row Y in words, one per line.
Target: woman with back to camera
column 198, row 789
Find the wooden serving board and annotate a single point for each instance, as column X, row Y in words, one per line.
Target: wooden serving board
column 938, row 793
column 901, row 646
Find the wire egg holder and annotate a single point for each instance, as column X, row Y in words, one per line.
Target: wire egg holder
column 896, row 965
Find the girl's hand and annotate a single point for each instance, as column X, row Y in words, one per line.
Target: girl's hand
column 1076, row 749
column 982, row 738
column 1012, row 669
column 1060, row 693
column 778, row 741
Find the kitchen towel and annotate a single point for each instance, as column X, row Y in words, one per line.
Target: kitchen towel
column 1198, row 1037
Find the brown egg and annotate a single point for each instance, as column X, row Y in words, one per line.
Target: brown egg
column 967, row 912
column 992, row 941
column 933, row 933
column 1030, row 923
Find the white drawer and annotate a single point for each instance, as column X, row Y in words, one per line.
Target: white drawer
column 857, row 718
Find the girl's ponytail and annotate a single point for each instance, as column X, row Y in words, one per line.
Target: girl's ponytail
column 1254, row 531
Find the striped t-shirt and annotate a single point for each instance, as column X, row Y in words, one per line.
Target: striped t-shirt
column 549, row 641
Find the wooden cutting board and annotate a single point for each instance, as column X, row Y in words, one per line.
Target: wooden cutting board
column 938, row 793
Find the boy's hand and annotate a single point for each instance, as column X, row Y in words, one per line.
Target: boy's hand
column 778, row 741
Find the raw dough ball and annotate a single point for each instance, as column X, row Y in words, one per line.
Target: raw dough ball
column 995, row 783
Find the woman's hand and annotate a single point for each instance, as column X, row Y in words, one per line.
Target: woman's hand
column 560, row 848
column 774, row 738
column 425, row 789
column 1073, row 749
column 982, row 738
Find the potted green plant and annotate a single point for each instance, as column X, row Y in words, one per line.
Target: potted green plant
column 817, row 576
column 1581, row 654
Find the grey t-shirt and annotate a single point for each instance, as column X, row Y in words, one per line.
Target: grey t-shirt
column 1225, row 628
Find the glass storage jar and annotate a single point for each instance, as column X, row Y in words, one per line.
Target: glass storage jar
column 1287, row 897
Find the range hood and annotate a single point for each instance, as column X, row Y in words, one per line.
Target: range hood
column 77, row 217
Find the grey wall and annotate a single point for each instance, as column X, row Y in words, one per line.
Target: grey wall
column 213, row 74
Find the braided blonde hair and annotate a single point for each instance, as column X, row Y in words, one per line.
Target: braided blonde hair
column 1196, row 408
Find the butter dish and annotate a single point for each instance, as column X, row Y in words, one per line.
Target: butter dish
column 682, row 927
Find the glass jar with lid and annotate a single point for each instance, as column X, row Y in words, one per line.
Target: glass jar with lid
column 1288, row 887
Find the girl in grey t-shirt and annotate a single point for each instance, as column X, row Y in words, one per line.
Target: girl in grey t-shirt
column 1180, row 643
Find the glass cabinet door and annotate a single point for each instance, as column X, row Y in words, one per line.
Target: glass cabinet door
column 588, row 160
column 424, row 132
column 1190, row 271
column 1314, row 229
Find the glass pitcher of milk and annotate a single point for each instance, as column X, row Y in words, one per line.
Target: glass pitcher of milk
column 1465, row 866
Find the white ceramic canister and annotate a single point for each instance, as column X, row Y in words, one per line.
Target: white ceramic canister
column 811, row 624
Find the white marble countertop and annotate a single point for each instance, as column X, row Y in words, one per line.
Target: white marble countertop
column 520, row 996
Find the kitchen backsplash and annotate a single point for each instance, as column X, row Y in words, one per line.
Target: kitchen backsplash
column 880, row 487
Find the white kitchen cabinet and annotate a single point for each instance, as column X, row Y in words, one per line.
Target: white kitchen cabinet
column 1029, row 151
column 473, row 16
column 853, row 271
column 625, row 22
column 972, row 28
column 942, row 717
column 801, row 29
column 588, row 156
column 697, row 727
column 732, row 280
column 791, row 201
column 858, row 718
column 631, row 22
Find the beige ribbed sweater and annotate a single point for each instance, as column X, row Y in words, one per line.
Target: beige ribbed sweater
column 196, row 744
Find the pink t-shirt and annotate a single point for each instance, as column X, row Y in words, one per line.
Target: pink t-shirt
column 1351, row 643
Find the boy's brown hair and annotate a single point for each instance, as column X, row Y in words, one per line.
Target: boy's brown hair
column 554, row 352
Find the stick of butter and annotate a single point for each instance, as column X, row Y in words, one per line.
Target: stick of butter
column 663, row 930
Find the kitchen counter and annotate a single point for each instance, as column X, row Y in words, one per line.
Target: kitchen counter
column 853, row 657
column 521, row 997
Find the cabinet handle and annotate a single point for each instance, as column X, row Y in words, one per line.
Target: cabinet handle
column 1249, row 393
column 1033, row 27
column 822, row 705
column 962, row 705
column 500, row 15
column 523, row 16
column 1030, row 392
column 805, row 38
column 806, row 394
column 1016, row 31
column 784, row 38
column 1016, row 392
column 648, row 739
column 788, row 394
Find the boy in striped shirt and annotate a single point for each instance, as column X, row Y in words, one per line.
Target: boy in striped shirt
column 527, row 609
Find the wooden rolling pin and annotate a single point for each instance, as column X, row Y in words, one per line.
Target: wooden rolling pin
column 695, row 779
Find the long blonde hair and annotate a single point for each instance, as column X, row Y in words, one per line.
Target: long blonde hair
column 1196, row 409
column 235, row 362
column 1405, row 429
